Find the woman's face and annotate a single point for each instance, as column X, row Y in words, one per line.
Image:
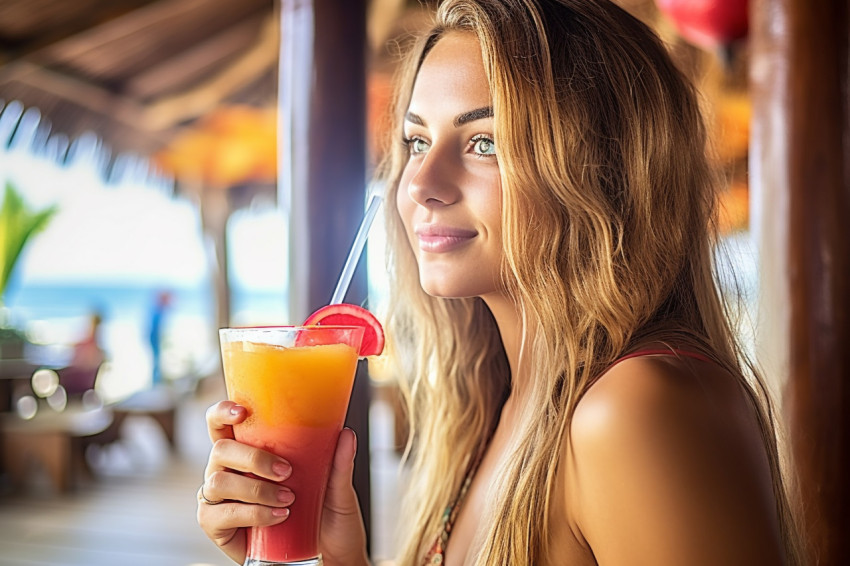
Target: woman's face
column 449, row 197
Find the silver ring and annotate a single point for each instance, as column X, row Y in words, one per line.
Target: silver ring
column 208, row 501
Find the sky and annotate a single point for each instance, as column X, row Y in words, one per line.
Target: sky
column 128, row 228
column 132, row 229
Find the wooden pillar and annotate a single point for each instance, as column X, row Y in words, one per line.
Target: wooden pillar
column 323, row 163
column 800, row 172
column 215, row 212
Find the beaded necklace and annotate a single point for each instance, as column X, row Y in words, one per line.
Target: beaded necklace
column 435, row 555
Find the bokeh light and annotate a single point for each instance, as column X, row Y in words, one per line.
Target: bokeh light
column 58, row 400
column 27, row 407
column 45, row 382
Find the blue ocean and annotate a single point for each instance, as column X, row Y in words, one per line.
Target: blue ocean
column 134, row 302
column 43, row 301
column 55, row 316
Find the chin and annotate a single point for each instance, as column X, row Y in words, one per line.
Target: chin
column 447, row 290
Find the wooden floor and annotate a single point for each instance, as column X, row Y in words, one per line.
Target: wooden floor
column 140, row 509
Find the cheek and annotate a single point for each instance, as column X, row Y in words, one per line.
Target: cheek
column 405, row 208
column 490, row 209
column 494, row 216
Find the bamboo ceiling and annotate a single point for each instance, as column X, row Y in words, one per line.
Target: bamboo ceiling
column 134, row 71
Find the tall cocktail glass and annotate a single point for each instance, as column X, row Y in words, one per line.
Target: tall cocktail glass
column 295, row 383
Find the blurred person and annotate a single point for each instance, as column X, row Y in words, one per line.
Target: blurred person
column 161, row 305
column 81, row 373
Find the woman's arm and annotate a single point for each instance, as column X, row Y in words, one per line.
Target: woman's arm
column 670, row 469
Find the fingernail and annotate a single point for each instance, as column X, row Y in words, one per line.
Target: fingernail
column 235, row 410
column 280, row 512
column 355, row 442
column 282, row 469
column 285, row 496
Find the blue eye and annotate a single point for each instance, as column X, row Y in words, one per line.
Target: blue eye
column 483, row 145
column 416, row 145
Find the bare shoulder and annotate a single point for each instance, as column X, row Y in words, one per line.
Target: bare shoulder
column 666, row 466
column 650, row 391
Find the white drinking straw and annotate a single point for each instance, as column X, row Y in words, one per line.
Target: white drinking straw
column 356, row 250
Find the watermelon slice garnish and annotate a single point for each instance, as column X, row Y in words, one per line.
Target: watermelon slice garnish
column 344, row 314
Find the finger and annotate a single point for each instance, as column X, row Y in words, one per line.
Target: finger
column 219, row 521
column 229, row 454
column 224, row 486
column 221, row 417
column 341, row 497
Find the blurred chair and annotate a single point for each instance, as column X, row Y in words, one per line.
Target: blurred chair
column 56, row 441
column 76, row 380
column 159, row 403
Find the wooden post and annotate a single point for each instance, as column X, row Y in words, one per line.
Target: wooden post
column 323, row 160
column 800, row 172
column 215, row 212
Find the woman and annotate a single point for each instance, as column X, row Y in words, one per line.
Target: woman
column 577, row 395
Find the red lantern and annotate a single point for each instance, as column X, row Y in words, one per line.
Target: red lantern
column 708, row 23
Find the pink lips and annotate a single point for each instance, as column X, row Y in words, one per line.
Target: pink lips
column 437, row 239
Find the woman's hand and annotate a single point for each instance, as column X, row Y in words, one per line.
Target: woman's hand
column 230, row 500
column 342, row 539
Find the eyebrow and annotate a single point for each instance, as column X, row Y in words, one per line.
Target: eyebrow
column 472, row 115
column 460, row 119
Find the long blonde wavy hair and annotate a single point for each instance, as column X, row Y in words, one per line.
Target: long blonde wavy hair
column 607, row 221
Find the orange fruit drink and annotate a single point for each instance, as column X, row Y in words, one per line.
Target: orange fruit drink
column 295, row 383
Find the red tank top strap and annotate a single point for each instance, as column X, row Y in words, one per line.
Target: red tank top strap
column 664, row 352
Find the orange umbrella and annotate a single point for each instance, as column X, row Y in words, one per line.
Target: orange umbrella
column 231, row 146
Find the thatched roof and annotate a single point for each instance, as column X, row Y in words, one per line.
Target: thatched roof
column 135, row 71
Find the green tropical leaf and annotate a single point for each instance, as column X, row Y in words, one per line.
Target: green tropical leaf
column 18, row 223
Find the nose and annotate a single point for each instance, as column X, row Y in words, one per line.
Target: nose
column 434, row 181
